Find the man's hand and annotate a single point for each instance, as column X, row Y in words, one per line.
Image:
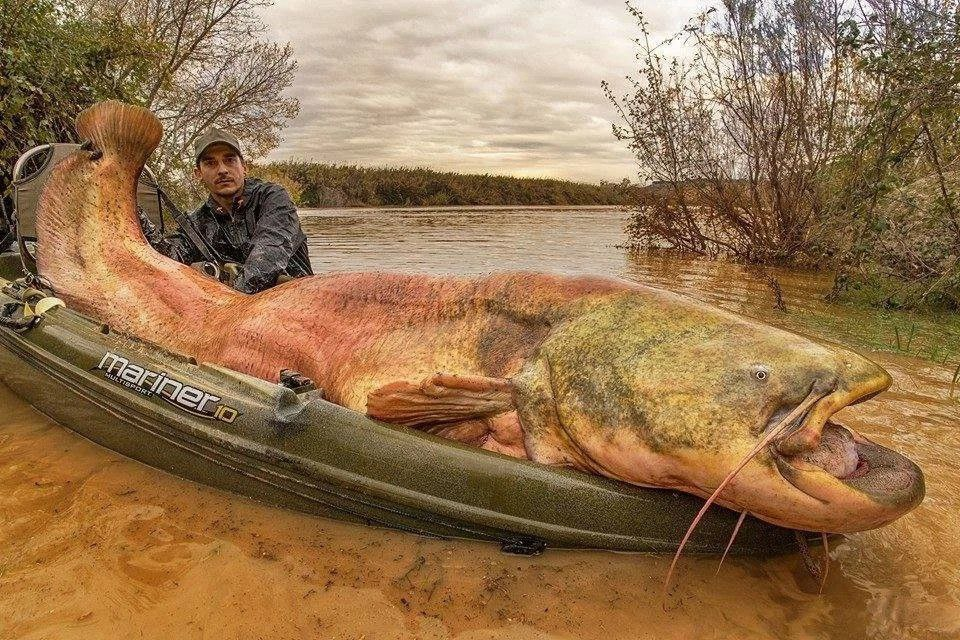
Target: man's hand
column 229, row 273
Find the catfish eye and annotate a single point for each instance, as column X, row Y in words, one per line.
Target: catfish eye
column 761, row 373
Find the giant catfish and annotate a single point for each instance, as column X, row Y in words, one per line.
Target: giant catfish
column 599, row 374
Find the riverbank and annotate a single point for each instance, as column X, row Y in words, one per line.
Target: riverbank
column 809, row 309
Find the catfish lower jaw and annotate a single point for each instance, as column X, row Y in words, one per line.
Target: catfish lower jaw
column 849, row 472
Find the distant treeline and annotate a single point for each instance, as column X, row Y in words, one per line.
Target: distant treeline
column 327, row 185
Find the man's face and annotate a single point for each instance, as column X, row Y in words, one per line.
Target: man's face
column 221, row 170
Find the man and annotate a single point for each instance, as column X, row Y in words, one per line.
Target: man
column 245, row 220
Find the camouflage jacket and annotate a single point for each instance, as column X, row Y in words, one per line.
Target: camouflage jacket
column 262, row 232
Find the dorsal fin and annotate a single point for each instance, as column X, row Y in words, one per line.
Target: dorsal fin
column 441, row 399
column 129, row 132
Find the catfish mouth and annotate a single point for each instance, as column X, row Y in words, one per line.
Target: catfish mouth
column 863, row 483
column 853, row 460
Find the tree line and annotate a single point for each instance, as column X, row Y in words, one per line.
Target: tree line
column 315, row 184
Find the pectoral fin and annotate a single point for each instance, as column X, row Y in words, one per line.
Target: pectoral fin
column 441, row 400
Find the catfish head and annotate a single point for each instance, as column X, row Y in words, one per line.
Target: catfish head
column 657, row 390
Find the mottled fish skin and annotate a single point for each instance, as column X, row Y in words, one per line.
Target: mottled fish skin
column 599, row 374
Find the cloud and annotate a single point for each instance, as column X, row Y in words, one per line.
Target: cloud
column 509, row 87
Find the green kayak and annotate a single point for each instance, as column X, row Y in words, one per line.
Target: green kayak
column 285, row 445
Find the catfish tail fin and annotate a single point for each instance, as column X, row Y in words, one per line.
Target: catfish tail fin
column 120, row 129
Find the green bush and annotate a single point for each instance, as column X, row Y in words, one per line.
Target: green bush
column 821, row 132
column 53, row 63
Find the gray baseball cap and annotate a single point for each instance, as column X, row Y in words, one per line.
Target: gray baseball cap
column 211, row 136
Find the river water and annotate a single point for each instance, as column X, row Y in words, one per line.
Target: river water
column 93, row 545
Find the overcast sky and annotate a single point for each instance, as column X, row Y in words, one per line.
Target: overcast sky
column 498, row 86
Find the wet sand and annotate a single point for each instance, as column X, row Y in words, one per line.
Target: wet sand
column 93, row 545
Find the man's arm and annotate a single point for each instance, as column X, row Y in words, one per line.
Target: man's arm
column 179, row 247
column 275, row 238
column 175, row 245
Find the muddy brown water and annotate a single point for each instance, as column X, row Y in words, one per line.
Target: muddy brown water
column 93, row 545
